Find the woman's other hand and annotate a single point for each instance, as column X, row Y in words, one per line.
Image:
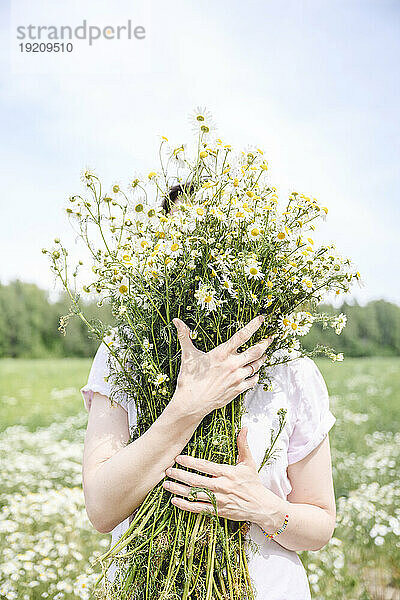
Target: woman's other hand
column 210, row 380
column 239, row 492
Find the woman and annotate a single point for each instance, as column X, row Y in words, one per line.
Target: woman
column 294, row 494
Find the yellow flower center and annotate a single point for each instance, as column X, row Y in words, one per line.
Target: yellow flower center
column 255, row 231
column 208, row 299
column 174, row 247
column 253, row 271
column 123, row 289
column 281, row 235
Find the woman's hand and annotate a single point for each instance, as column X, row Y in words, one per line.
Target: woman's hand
column 212, row 379
column 239, row 492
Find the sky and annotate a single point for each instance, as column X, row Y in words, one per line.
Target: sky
column 314, row 84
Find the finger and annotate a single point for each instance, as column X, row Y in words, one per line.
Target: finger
column 248, row 383
column 244, row 452
column 201, row 464
column 183, row 333
column 253, row 353
column 183, row 490
column 248, row 371
column 196, row 507
column 244, row 334
column 191, row 478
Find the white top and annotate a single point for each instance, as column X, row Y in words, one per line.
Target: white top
column 277, row 573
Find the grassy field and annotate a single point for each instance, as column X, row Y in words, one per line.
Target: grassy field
column 47, row 542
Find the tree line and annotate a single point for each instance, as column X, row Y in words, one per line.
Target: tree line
column 29, row 324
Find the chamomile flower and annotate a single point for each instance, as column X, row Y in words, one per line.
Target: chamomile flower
column 336, row 357
column 254, row 231
column 177, row 156
column 226, row 284
column 304, row 322
column 138, row 211
column 202, row 121
column 298, row 324
column 339, row 323
column 87, row 176
column 136, row 183
column 197, row 212
column 253, row 297
column 142, row 244
column 173, row 248
column 160, row 378
column 307, row 284
column 253, row 270
column 206, row 297
column 122, row 288
column 153, row 176
column 146, row 344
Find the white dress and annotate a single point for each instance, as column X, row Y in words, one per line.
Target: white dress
column 276, row 573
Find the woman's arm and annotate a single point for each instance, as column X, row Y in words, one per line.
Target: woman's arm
column 117, row 476
column 310, row 505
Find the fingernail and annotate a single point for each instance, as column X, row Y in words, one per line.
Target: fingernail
column 262, row 318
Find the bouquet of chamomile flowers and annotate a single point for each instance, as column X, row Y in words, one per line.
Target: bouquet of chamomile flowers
column 228, row 251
